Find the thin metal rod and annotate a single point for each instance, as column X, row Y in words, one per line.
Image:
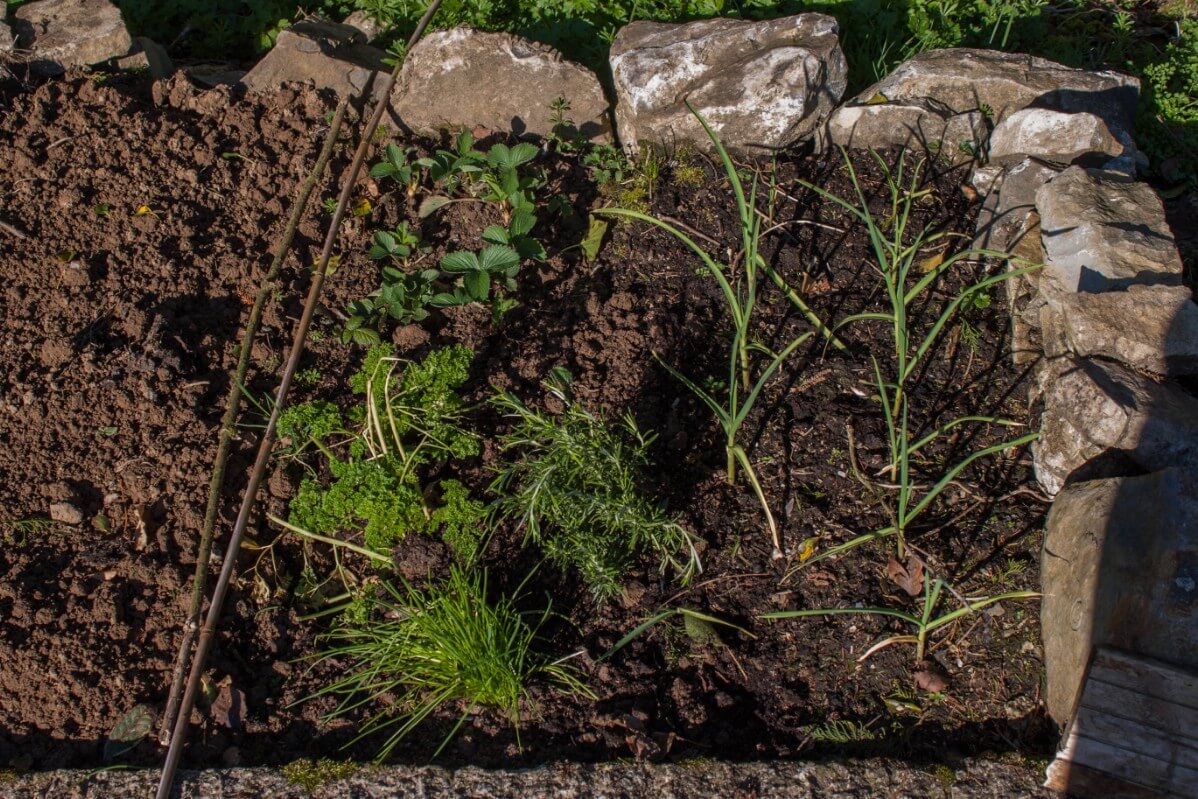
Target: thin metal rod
column 228, row 422
column 208, row 631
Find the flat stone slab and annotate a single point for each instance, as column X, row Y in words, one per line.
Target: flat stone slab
column 323, row 54
column 70, row 33
column 878, row 125
column 1152, row 328
column 463, row 77
column 700, row 779
column 1096, row 409
column 1119, row 568
column 963, row 79
column 762, row 86
column 1104, row 232
column 1053, row 136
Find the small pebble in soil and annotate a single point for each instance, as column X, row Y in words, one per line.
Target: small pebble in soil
column 66, row 513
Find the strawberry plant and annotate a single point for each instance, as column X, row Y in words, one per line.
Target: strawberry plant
column 475, row 272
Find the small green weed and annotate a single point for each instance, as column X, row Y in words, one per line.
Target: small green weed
column 314, row 774
column 445, row 646
column 840, row 731
column 923, row 624
column 573, row 484
column 17, row 531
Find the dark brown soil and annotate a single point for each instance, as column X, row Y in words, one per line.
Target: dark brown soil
column 120, row 329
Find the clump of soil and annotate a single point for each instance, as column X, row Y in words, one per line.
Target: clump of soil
column 121, row 326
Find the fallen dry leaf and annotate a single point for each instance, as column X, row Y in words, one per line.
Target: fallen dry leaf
column 931, row 262
column 930, row 677
column 971, row 194
column 909, row 577
column 229, row 705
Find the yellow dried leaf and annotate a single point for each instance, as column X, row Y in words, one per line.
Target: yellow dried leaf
column 931, row 262
column 877, row 99
column 362, row 207
column 807, row 548
column 144, row 210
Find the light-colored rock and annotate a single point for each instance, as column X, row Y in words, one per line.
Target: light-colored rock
column 66, row 513
column 322, row 54
column 1104, row 232
column 6, row 39
column 879, row 125
column 1094, row 409
column 1053, row 136
column 70, row 33
column 1011, row 199
column 1151, row 328
column 963, row 79
column 1025, row 301
column 212, row 75
column 150, row 56
column 464, row 77
column 1119, row 568
column 364, row 22
column 761, row 86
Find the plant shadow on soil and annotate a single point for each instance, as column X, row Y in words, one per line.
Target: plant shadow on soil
column 135, row 334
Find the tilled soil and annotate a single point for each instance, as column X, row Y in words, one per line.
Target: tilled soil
column 145, row 217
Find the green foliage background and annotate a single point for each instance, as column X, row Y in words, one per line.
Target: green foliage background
column 1155, row 40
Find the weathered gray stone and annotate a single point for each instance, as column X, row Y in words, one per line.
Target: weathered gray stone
column 761, row 86
column 1151, row 328
column 1011, row 199
column 956, row 80
column 6, row 39
column 1094, row 409
column 1119, row 568
column 879, row 125
column 464, row 77
column 1025, row 301
column 1104, row 232
column 150, row 56
column 70, row 33
column 368, row 25
column 323, row 54
column 212, row 75
column 1053, row 136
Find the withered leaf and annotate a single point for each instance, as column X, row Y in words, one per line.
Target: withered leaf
column 908, row 577
column 228, row 707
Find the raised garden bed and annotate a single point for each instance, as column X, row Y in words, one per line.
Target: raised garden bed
column 148, row 224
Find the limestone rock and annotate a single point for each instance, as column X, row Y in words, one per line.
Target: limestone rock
column 1119, row 568
column 70, row 33
column 761, row 86
column 1151, row 328
column 1094, row 409
column 6, row 40
column 464, row 77
column 1009, row 203
column 964, row 79
column 368, row 25
column 323, row 54
column 1104, row 232
column 1053, row 136
column 880, row 124
column 150, row 56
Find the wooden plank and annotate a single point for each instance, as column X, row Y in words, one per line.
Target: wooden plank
column 1160, row 714
column 1169, row 746
column 1135, row 733
column 1151, row 677
column 1135, row 767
